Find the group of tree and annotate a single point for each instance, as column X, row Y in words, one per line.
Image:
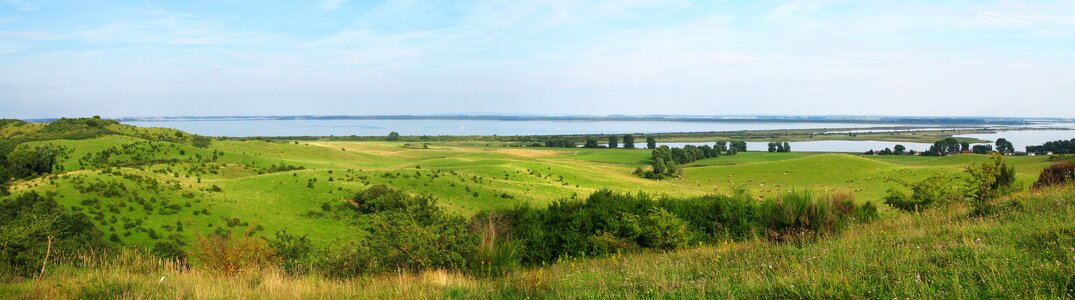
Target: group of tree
column 779, row 147
column 899, row 149
column 26, row 162
column 945, row 147
column 613, row 142
column 560, row 142
column 665, row 161
column 1056, row 147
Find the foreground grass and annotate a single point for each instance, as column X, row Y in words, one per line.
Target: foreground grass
column 1025, row 250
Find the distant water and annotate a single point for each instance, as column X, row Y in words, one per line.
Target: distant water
column 249, row 128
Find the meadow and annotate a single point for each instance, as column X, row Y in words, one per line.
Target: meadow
column 144, row 186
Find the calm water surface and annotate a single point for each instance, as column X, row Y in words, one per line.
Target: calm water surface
column 249, row 128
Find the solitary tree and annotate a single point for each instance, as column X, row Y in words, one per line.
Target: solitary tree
column 628, row 141
column 898, row 150
column 651, row 143
column 613, row 142
column 1004, row 146
column 772, row 147
column 393, row 136
column 787, row 147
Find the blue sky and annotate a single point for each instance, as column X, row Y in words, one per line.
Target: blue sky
column 140, row 58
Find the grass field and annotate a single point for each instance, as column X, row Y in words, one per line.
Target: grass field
column 144, row 186
column 1023, row 251
column 162, row 188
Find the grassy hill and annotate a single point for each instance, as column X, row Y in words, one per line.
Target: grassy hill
column 146, row 186
column 133, row 181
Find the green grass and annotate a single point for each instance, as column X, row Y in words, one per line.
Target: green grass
column 468, row 178
column 1024, row 250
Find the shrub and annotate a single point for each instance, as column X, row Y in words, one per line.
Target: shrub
column 798, row 214
column 294, row 253
column 663, row 230
column 402, row 241
column 1057, row 173
column 987, row 181
column 170, row 250
column 230, row 255
column 929, row 192
column 27, row 222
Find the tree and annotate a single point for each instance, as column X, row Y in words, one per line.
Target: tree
column 1004, row 146
column 787, row 147
column 772, row 147
column 628, row 141
column 651, row 143
column 613, row 142
column 899, row 149
column 659, row 167
column 200, row 141
column 393, row 136
column 590, row 143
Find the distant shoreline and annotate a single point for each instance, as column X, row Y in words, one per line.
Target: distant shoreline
column 670, row 118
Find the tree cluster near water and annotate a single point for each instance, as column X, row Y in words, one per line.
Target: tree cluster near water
column 899, row 149
column 779, row 147
column 666, row 162
column 1056, row 147
column 944, row 147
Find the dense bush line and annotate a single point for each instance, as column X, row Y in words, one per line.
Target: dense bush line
column 412, row 233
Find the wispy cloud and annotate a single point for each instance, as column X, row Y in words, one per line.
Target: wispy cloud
column 550, row 57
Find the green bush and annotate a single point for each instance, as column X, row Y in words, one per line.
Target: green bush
column 27, row 222
column 929, row 192
column 295, row 253
column 662, row 230
column 402, row 241
column 987, row 181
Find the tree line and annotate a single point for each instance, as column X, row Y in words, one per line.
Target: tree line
column 779, row 147
column 666, row 161
column 1056, row 147
column 949, row 146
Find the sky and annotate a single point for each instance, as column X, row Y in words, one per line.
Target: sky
column 636, row 57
